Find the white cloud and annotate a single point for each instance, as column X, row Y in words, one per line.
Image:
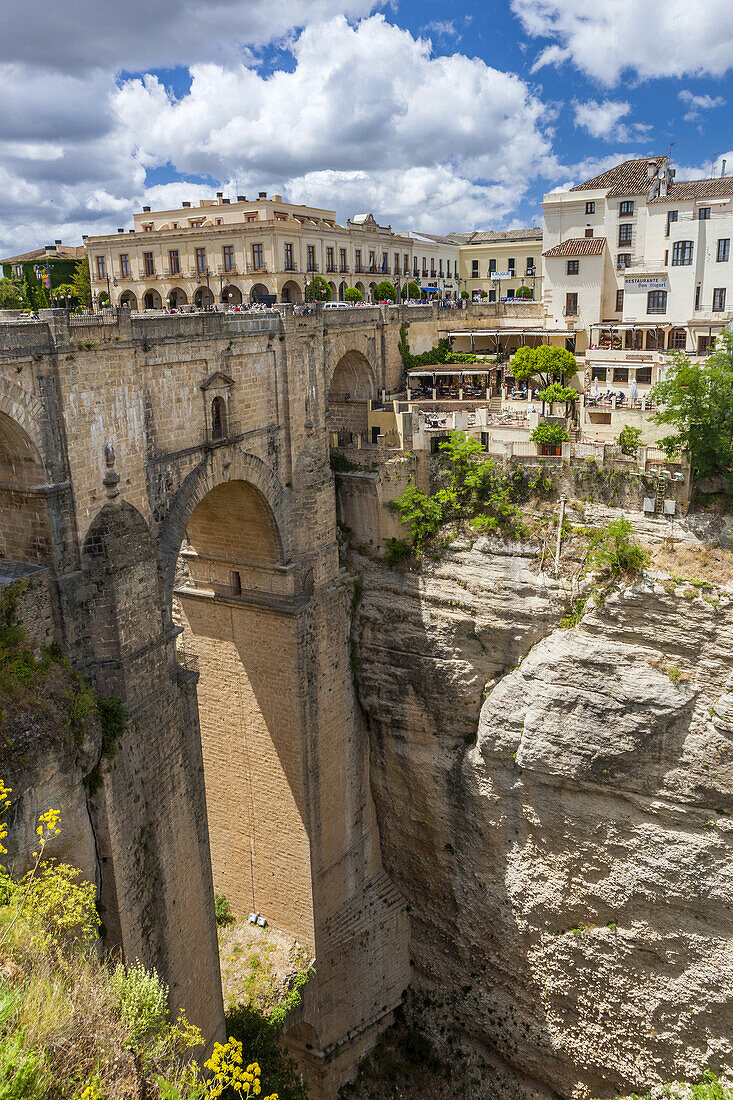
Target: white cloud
column 431, row 142
column 610, row 37
column 698, row 103
column 603, row 120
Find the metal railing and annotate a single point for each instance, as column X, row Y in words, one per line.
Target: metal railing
column 187, row 661
column 257, row 268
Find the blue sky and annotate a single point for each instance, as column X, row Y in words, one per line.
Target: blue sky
column 432, row 116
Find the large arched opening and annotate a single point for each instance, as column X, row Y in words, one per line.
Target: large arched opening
column 347, row 406
column 152, row 300
column 177, row 298
column 233, row 599
column 259, row 293
column 291, row 292
column 128, row 300
column 203, row 298
column 231, row 295
column 25, row 534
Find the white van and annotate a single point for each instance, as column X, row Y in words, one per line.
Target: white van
column 337, row 305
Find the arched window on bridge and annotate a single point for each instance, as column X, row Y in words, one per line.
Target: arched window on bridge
column 218, row 418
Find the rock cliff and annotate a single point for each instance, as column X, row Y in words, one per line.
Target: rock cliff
column 557, row 808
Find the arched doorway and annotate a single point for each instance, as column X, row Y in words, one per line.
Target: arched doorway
column 291, row 292
column 25, row 533
column 177, row 298
column 128, row 300
column 334, row 294
column 372, row 290
column 152, row 300
column 203, row 298
column 259, row 293
column 349, row 392
column 231, row 562
column 231, row 295
column 360, row 288
column 342, row 291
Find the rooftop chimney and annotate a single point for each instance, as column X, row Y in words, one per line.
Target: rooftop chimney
column 185, row 204
column 722, row 167
column 59, row 242
column 84, row 236
column 278, row 198
column 146, row 210
column 220, row 194
column 120, row 231
column 241, row 198
column 263, row 194
column 50, row 248
column 226, row 200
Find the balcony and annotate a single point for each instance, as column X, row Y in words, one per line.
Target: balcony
column 257, row 268
column 224, row 270
column 312, row 268
column 570, row 311
column 290, row 267
column 359, row 270
column 331, row 269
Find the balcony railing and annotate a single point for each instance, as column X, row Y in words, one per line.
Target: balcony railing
column 359, row 270
column 253, row 267
column 569, row 311
column 312, row 268
column 189, row 662
column 290, row 267
column 221, row 433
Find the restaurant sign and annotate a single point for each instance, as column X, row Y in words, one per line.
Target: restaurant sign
column 645, row 282
column 497, row 275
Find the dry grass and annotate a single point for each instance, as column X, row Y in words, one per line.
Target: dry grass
column 258, row 964
column 697, row 563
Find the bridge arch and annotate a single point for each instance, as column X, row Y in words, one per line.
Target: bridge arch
column 25, row 532
column 350, row 389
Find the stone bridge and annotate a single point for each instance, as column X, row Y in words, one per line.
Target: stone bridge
column 172, row 475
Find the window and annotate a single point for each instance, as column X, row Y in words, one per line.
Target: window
column 250, row 217
column 703, row 213
column 440, row 268
column 415, row 264
column 511, row 265
column 719, row 299
column 201, row 261
column 590, row 208
column 666, row 257
column 492, row 267
column 424, row 266
column 697, row 296
column 175, row 225
column 330, row 266
column 257, row 257
column 148, row 228
column 218, row 418
column 385, row 262
column 149, row 263
column 705, row 344
column 573, row 267
column 406, row 264
column 672, row 216
column 492, row 295
column 589, row 232
column 125, row 265
column 623, row 260
column 342, row 259
column 571, row 304
column 357, row 254
column 280, row 217
column 174, row 262
column 598, row 372
column 619, row 301
column 681, row 253
column 626, row 208
column 624, row 233
column 677, row 340
column 289, row 265
column 197, row 223
column 656, row 301
column 311, row 257
column 372, row 261
column 396, row 263
column 218, row 221
column 102, row 267
column 530, row 265
column 723, row 250
column 474, row 269
column 620, row 374
column 228, row 251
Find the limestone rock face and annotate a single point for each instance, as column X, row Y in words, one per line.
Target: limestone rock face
column 557, row 808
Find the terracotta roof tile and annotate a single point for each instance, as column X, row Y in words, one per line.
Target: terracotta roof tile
column 577, row 246
column 491, row 236
column 629, row 178
column 61, row 252
column 698, row 189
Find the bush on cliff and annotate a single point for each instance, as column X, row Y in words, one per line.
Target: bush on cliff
column 75, row 1026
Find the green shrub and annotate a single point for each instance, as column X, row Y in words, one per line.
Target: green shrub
column 396, row 551
column 385, row 291
column 353, row 294
column 550, row 433
column 574, row 613
column 629, row 439
column 142, row 1000
column 224, row 915
column 614, row 553
column 22, row 1072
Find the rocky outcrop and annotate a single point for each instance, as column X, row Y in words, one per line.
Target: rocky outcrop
column 557, row 808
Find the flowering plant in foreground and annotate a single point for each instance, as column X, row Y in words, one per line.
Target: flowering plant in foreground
column 228, row 1072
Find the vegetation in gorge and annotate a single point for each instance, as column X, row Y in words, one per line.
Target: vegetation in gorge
column 441, row 353
column 474, row 493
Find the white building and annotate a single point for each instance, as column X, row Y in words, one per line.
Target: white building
column 636, row 261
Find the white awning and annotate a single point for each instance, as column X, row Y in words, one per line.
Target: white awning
column 443, row 373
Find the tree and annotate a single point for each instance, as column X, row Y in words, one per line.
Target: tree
column 697, row 401
column 353, row 294
column 34, row 292
column 550, row 433
column 629, row 439
column 9, row 295
column 385, row 291
column 318, row 289
column 465, row 294
column 562, row 395
column 410, row 290
column 547, row 364
column 82, row 284
column 66, row 293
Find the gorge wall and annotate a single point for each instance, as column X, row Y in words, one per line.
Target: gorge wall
column 555, row 806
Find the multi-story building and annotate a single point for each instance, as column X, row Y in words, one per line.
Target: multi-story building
column 503, row 265
column 435, row 264
column 636, row 261
column 264, row 250
column 54, row 265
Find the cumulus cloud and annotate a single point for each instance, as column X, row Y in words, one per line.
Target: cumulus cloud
column 698, row 103
column 431, row 142
column 610, row 37
column 603, row 120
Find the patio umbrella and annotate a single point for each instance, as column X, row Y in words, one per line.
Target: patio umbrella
column 595, row 387
column 634, row 391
